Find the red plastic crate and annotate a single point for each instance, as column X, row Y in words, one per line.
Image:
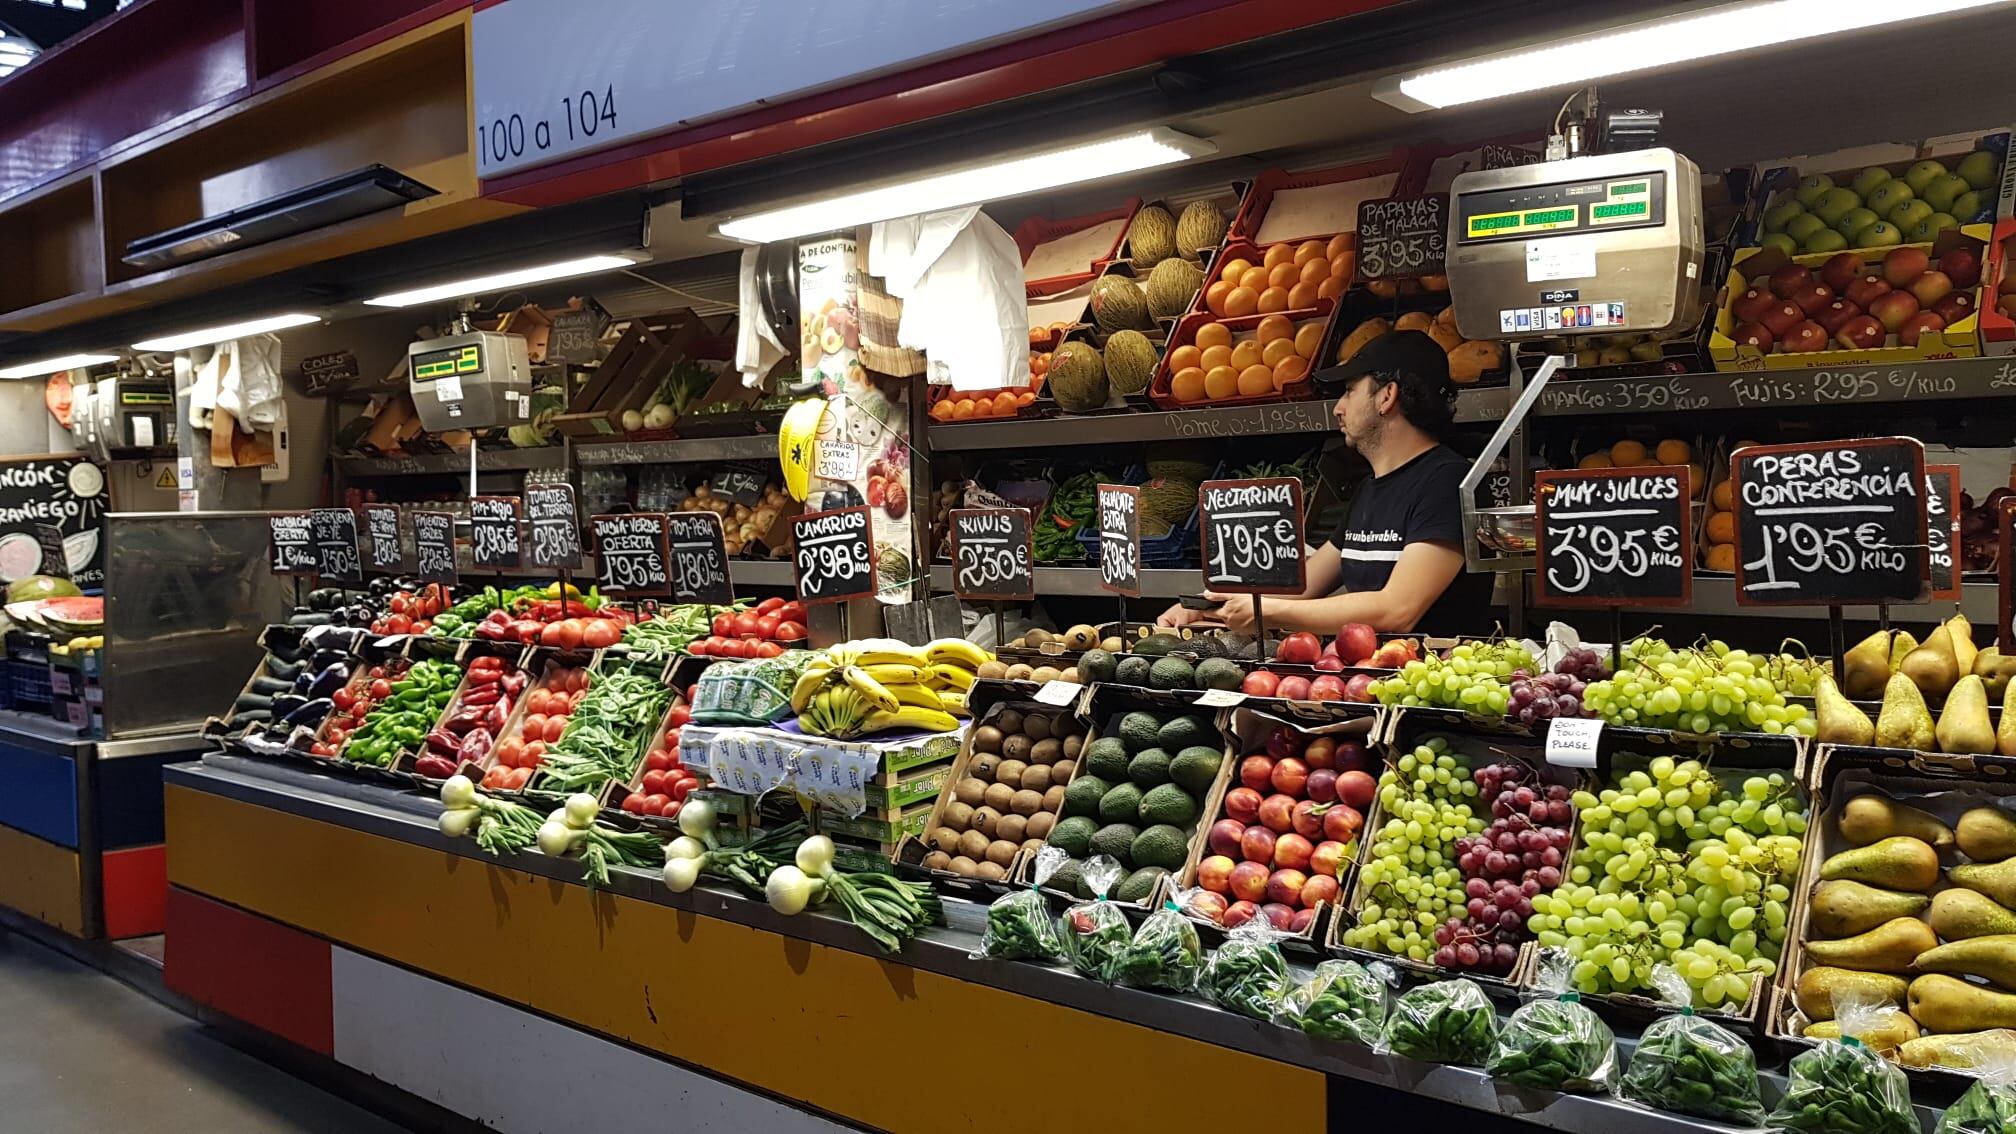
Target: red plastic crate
column 1238, row 250
column 1253, row 211
column 1185, row 334
column 1037, row 231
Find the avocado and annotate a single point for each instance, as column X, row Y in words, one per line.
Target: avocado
column 1155, row 645
column 1073, row 835
column 1117, row 840
column 1097, row 665
column 1084, row 794
column 1138, row 885
column 1106, row 758
column 1219, row 673
column 1172, row 673
column 1195, row 769
column 1205, row 646
column 1133, row 670
column 1069, row 879
column 1149, row 767
column 1166, row 804
column 1160, row 845
column 1121, row 804
column 1140, row 731
column 1187, row 732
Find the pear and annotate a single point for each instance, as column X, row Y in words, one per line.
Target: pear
column 1941, row 1003
column 1932, row 667
column 1899, row 862
column 1844, row 908
column 1995, row 879
column 2005, row 730
column 1986, row 834
column 1964, row 727
column 1962, row 633
column 1958, row 913
column 1960, row 1052
column 1893, row 1029
column 1900, row 648
column 1995, row 669
column 1867, row 819
column 1818, row 987
column 1904, row 721
column 1888, row 948
column 1837, row 719
column 1865, row 667
column 1991, row 957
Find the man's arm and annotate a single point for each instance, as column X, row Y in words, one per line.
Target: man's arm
column 1325, row 570
column 1424, row 571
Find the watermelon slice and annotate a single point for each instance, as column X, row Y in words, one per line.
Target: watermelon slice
column 81, row 614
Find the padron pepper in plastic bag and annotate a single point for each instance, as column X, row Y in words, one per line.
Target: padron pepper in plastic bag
column 1247, row 974
column 1843, row 1087
column 1164, row 954
column 1687, row 1065
column 1989, row 1106
column 1093, row 932
column 1019, row 926
column 1449, row 1021
column 1343, row 1001
column 1556, row 1044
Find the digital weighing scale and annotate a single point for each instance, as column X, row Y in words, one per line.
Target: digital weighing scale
column 471, row 380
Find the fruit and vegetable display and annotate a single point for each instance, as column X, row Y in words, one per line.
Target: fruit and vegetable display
column 1020, row 759
column 1909, row 676
column 299, row 684
column 1842, row 1086
column 468, row 730
column 879, row 684
column 604, row 737
column 1555, row 1043
column 762, row 631
column 1854, row 300
column 571, row 830
column 1469, row 359
column 402, row 710
column 1343, row 1001
column 1448, row 1021
column 1247, row 974
column 411, row 610
column 1881, row 206
column 1687, row 1064
column 1287, row 835
column 889, row 910
column 1136, row 797
column 521, row 746
column 663, row 781
column 535, row 615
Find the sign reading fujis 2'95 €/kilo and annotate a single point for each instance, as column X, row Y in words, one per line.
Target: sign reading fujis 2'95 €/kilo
column 1830, row 523
column 634, row 553
column 699, row 559
column 835, row 556
column 1120, row 539
column 993, row 554
column 1611, row 537
column 493, row 532
column 1250, row 533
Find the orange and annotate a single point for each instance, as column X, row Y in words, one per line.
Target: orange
column 1273, row 299
column 1723, row 497
column 1026, row 397
column 1274, row 352
column 1627, row 453
column 1673, row 451
column 1343, row 264
column 1234, row 268
column 1242, row 301
column 1721, row 557
column 1221, row 382
column 1308, row 337
column 1214, row 296
column 1185, row 357
column 1697, row 478
column 1315, row 271
column 1289, row 370
column 1340, row 243
column 1005, row 404
column 1273, row 327
column 1308, row 250
column 962, row 409
column 941, row 410
column 1188, row 385
column 1213, row 334
column 1283, row 276
column 1304, row 295
column 1245, row 354
column 1333, row 287
column 1279, row 254
column 1256, row 380
column 1215, row 356
column 1254, row 278
column 1598, row 460
column 1722, row 527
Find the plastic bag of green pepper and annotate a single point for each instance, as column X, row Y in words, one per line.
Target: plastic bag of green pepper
column 1687, row 1065
column 1019, row 926
column 1989, row 1106
column 1556, row 1044
column 1247, row 974
column 1343, row 1001
column 1843, row 1087
column 1164, row 954
column 1093, row 932
column 1449, row 1021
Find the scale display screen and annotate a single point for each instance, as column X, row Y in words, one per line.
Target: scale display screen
column 1598, row 204
column 448, row 362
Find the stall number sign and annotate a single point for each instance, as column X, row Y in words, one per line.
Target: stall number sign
column 383, row 524
column 1120, row 539
column 55, row 558
column 1942, row 530
column 699, row 559
column 334, row 531
column 1830, row 523
column 632, row 548
column 493, row 532
column 1611, row 537
column 1402, row 237
column 1251, row 535
column 554, row 525
column 293, row 543
column 434, row 546
column 835, row 556
column 993, row 553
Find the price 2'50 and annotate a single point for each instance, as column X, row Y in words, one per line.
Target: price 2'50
column 985, row 565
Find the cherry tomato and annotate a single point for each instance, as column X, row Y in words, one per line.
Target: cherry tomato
column 654, row 782
column 634, row 803
column 343, row 699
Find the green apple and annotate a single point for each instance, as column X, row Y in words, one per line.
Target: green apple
column 1803, row 226
column 1776, row 217
column 1866, row 181
column 1981, row 168
column 1907, row 215
column 1882, row 234
column 1811, row 189
column 1932, row 226
column 1825, row 240
column 1923, row 174
column 1969, row 205
column 1782, row 242
column 1945, row 190
column 1838, row 202
column 1854, row 221
column 1888, row 195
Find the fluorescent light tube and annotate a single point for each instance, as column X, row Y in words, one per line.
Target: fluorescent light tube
column 501, row 280
column 1658, row 43
column 226, row 333
column 1012, row 177
column 52, row 365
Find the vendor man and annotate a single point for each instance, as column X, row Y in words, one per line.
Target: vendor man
column 1396, row 562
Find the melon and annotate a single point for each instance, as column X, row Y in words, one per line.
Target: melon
column 1118, row 305
column 40, row 587
column 77, row 614
column 1199, row 229
column 1152, row 239
column 1167, row 502
column 1130, row 359
column 1077, row 378
column 1171, row 287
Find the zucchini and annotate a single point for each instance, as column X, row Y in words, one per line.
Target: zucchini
column 308, row 619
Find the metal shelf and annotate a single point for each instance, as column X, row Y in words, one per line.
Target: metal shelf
column 761, row 446
column 430, row 464
column 760, row 572
column 1936, row 380
column 1715, row 596
column 1156, row 582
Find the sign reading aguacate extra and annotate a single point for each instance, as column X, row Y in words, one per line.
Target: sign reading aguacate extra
column 1614, row 537
column 1120, row 539
column 1830, row 523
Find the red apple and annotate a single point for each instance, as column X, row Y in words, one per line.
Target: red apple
column 1893, row 310
column 1215, row 874
column 1257, row 772
column 1308, row 819
column 1300, row 648
column 1321, row 785
column 1249, row 880
column 1807, row 336
column 1329, row 663
column 1211, row 907
column 1278, row 813
column 1358, row 687
column 1955, row 307
column 1260, row 683
column 1224, row 837
column 1328, row 858
column 1813, row 297
column 1902, row 265
column 1342, row 822
column 1754, row 335
column 1782, row 318
column 1864, row 291
column 1923, row 323
column 1239, row 913
column 1280, row 915
column 1786, row 281
column 1932, row 287
column 1285, row 741
column 1327, row 687
column 1962, row 265
column 1290, row 774
column 1292, row 851
column 1294, row 687
column 1751, row 305
column 1321, row 753
column 1304, row 918
column 1840, row 270
column 1861, row 333
column 1357, row 789
column 1352, row 757
column 1285, row 887
column 1243, row 804
column 1356, row 641
column 1837, row 313
column 1318, row 889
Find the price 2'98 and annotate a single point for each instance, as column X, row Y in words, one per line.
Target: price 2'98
column 827, row 560
column 581, row 116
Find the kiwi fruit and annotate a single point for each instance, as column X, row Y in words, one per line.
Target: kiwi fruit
column 1008, row 721
column 970, row 791
column 1036, row 726
column 1017, row 747
column 973, row 845
column 1038, row 636
column 1043, row 674
column 1013, row 828
column 1053, row 799
column 984, row 820
column 1026, row 802
column 1038, row 826
column 1060, row 772
column 1072, row 743
column 1036, row 777
column 986, row 738
column 1113, row 644
column 1046, row 751
column 958, row 816
column 937, row 860
column 992, row 668
column 1009, row 772
column 1032, row 845
column 998, row 795
column 965, row 867
column 946, row 839
column 1080, row 637
column 992, row 872
column 1001, row 853
column 1018, row 672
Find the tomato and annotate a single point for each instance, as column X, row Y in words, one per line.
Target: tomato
column 682, row 787
column 769, row 604
column 535, row 748
column 724, row 625
column 398, row 603
column 793, row 611
column 678, row 717
column 555, row 728
column 768, row 649
column 496, row 777
column 657, row 760
column 564, row 634
column 398, row 624
column 518, row 778
column 510, row 750
column 634, row 803
column 654, row 782
column 672, row 809
column 745, row 625
column 343, row 699
column 656, row 805
column 600, row 633
column 740, row 648
column 422, row 626
column 766, row 626
column 789, row 632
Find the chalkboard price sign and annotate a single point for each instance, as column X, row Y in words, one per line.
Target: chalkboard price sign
column 1251, row 535
column 382, row 523
column 1615, row 537
column 699, row 559
column 740, row 486
column 434, row 546
column 572, row 337
column 293, row 543
column 632, row 548
column 1120, row 539
column 1942, row 530
column 555, row 525
column 493, row 532
column 1830, row 523
column 993, row 552
column 835, row 556
column 334, row 531
column 55, row 558
column 1402, row 237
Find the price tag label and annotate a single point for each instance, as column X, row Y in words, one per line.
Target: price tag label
column 1572, row 741
column 1059, row 693
column 1830, row 523
column 334, row 531
column 1614, row 537
column 993, row 554
column 835, row 555
column 55, row 558
column 634, row 553
column 572, row 338
column 1120, row 539
column 1219, row 698
column 837, row 460
column 739, row 485
column 699, row 559
column 493, row 533
column 382, row 522
column 1942, row 531
column 1403, row 237
column 434, row 547
column 1251, row 535
column 554, row 523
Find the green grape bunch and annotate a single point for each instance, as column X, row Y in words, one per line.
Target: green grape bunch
column 1704, row 691
column 1472, row 676
column 1411, row 876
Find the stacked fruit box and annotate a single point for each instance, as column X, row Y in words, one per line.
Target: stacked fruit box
column 955, row 848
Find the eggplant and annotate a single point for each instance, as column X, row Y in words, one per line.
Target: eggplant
column 286, row 651
column 326, row 657
column 287, row 702
column 255, row 716
column 329, row 680
column 308, row 619
column 250, row 700
column 308, row 714
column 325, row 598
column 271, row 687
column 282, row 669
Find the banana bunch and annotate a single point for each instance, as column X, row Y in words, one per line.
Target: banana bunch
column 877, row 684
column 797, row 441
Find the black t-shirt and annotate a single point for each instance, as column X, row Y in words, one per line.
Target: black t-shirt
column 1420, row 500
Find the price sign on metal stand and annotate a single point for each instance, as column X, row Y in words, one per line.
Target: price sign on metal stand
column 1830, row 523
column 1120, row 539
column 434, row 547
column 634, row 555
column 55, row 557
column 334, row 531
column 1615, row 537
column 1403, row 237
column 993, row 554
column 1942, row 530
column 382, row 523
column 835, row 556
column 1250, row 533
column 554, row 525
column 293, row 543
column 699, row 559
column 493, row 533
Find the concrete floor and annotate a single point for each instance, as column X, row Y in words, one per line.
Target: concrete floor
column 81, row 1053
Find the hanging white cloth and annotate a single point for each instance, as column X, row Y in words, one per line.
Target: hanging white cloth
column 959, row 276
column 757, row 348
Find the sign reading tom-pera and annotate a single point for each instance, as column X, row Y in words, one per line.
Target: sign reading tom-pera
column 699, row 558
column 493, row 533
column 1830, row 523
column 835, row 556
column 382, row 522
column 1120, row 539
column 1942, row 531
column 1615, row 537
column 993, row 554
column 293, row 543
column 633, row 553
column 554, row 525
column 434, row 547
column 1402, row 237
column 1250, row 533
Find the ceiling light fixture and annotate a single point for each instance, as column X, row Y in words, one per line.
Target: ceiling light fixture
column 1657, row 43
column 227, row 332
column 1011, row 177
column 499, row 281
column 52, row 365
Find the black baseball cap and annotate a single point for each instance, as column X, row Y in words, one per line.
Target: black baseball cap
column 1392, row 356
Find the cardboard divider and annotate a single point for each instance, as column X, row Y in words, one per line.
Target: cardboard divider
column 1034, row 234
column 544, row 668
column 1316, row 204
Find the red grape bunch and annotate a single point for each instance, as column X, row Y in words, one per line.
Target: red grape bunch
column 1522, row 853
column 1557, row 692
